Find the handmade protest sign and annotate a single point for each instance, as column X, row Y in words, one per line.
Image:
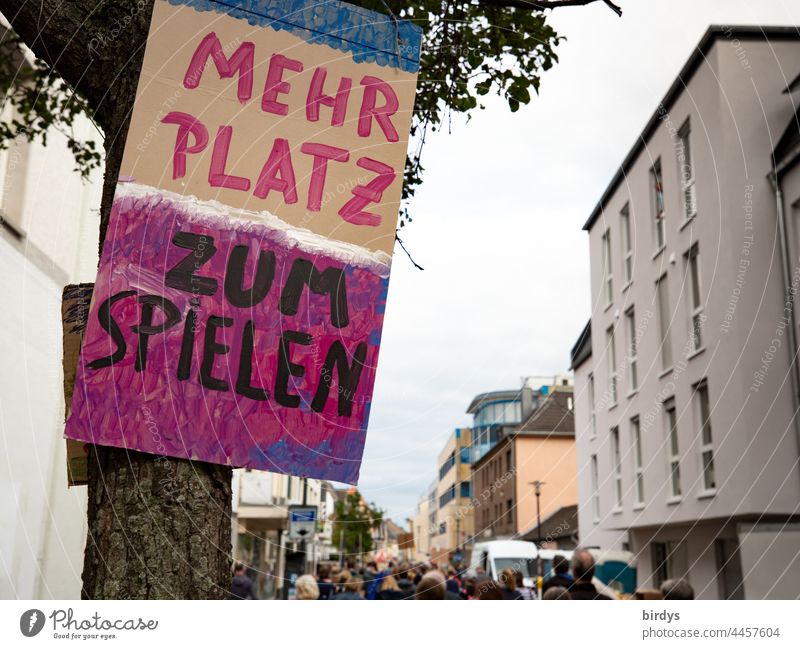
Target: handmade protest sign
column 237, row 312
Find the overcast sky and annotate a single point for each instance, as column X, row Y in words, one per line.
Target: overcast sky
column 497, row 227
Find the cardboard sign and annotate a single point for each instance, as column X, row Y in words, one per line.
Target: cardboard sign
column 238, row 308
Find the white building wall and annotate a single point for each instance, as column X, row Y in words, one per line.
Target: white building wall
column 737, row 116
column 44, row 523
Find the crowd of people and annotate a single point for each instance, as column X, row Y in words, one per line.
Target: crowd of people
column 569, row 580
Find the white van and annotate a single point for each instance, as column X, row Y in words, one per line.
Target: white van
column 496, row 556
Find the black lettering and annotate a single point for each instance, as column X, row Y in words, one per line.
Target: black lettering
column 286, row 368
column 109, row 324
column 348, row 377
column 234, row 277
column 146, row 328
column 244, row 379
column 187, row 345
column 330, row 282
column 181, row 276
column 212, row 348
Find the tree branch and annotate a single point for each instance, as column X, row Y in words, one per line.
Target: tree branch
column 90, row 43
column 541, row 5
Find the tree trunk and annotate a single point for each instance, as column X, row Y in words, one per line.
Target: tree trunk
column 158, row 527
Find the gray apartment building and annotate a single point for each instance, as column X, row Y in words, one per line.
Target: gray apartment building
column 686, row 376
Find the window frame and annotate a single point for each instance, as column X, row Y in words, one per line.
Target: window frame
column 705, row 435
column 608, row 272
column 611, row 366
column 656, row 179
column 616, row 467
column 627, row 244
column 694, row 299
column 687, row 186
column 638, row 461
column 664, row 322
column 633, row 352
column 673, row 450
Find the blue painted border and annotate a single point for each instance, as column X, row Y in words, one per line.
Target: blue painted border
column 368, row 35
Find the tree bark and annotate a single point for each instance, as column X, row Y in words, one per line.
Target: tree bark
column 158, row 527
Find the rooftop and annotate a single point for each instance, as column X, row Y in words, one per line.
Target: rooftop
column 492, row 397
column 553, row 416
column 698, row 56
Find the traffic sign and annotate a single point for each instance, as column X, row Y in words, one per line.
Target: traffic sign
column 302, row 522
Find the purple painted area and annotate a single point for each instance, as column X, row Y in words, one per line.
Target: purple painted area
column 153, row 411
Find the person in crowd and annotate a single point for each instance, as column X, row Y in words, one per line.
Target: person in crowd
column 508, row 584
column 343, row 576
column 582, row 573
column 556, row 592
column 522, row 589
column 389, row 589
column 470, row 591
column 561, row 577
column 431, row 586
column 242, row 586
column 306, row 587
column 405, row 584
column 677, row 589
column 453, row 584
column 325, row 585
column 488, row 589
column 352, row 589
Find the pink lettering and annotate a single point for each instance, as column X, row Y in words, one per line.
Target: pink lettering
column 322, row 153
column 353, row 210
column 372, row 86
column 186, row 125
column 279, row 162
column 241, row 61
column 275, row 84
column 219, row 160
column 317, row 97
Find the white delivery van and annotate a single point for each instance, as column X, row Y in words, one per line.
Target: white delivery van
column 496, row 556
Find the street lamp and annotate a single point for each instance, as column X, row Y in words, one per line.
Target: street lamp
column 537, row 490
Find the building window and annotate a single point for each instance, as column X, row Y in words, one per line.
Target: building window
column 448, row 464
column 706, row 442
column 686, row 172
column 638, row 465
column 591, row 406
column 611, row 353
column 627, row 243
column 447, row 496
column 630, row 326
column 673, row 452
column 662, row 296
column 466, row 491
column 608, row 275
column 671, row 561
column 695, row 304
column 616, row 463
column 657, row 204
column 509, row 512
column 508, row 462
column 595, row 490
